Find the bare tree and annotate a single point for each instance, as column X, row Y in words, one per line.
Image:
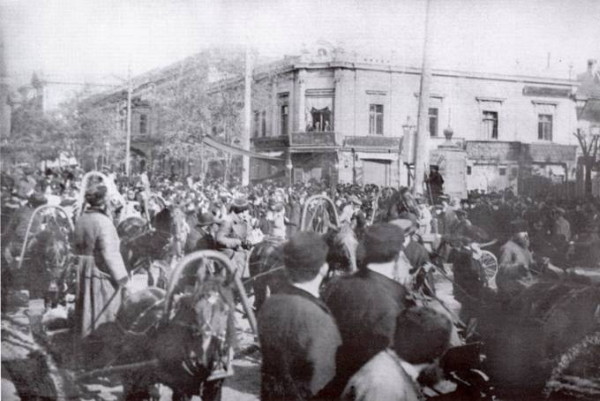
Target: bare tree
column 589, row 146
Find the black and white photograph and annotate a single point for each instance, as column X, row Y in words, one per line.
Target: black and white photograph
column 300, row 200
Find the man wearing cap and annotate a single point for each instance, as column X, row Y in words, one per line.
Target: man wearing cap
column 101, row 270
column 297, row 332
column 233, row 233
column 365, row 305
column 204, row 235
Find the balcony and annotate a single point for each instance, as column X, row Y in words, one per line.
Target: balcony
column 270, row 142
column 315, row 139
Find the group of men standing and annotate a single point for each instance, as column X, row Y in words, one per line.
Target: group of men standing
column 364, row 339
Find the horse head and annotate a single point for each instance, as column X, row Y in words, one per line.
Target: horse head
column 342, row 244
column 210, row 314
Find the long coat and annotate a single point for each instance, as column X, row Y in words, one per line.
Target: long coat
column 100, row 270
column 365, row 305
column 233, row 231
column 514, row 272
column 299, row 339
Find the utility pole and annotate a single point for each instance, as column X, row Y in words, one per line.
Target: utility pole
column 422, row 136
column 247, row 117
column 128, row 141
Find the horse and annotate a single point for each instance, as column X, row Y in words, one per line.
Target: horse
column 265, row 262
column 142, row 245
column 524, row 340
column 184, row 343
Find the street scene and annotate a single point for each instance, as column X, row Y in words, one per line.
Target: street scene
column 300, row 200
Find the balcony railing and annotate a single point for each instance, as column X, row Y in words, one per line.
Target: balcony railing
column 271, row 142
column 314, row 139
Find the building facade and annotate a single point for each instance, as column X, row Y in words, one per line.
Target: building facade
column 336, row 116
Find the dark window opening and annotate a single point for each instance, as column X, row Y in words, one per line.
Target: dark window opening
column 256, row 123
column 545, row 127
column 490, row 124
column 321, row 120
column 469, row 170
column 143, row 124
column 502, row 171
column 264, row 124
column 376, row 119
column 285, row 110
column 433, row 122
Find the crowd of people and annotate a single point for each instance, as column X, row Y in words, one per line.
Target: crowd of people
column 363, row 336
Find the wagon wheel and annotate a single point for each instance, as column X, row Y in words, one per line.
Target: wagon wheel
column 489, row 263
column 34, row 215
column 322, row 208
column 209, row 260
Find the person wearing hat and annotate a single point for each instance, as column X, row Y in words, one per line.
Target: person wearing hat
column 365, row 304
column 297, row 333
column 435, row 183
column 515, row 262
column 275, row 216
column 421, row 337
column 203, row 236
column 102, row 272
column 561, row 228
column 233, row 233
column 352, row 214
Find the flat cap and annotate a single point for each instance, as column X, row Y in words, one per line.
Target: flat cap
column 382, row 242
column 305, row 251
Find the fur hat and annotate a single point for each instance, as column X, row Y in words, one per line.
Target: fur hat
column 422, row 334
column 382, row 242
column 305, row 251
column 96, row 195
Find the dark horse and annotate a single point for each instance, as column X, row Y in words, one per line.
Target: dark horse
column 141, row 245
column 525, row 338
column 186, row 349
column 266, row 261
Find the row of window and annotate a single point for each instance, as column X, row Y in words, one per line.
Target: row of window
column 321, row 120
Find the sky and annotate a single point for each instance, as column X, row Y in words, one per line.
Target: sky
column 95, row 40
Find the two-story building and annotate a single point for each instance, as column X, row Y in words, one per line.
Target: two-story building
column 340, row 116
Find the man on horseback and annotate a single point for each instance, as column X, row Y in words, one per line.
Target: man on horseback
column 101, row 270
column 233, row 234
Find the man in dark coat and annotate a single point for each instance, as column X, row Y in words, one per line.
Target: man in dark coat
column 365, row 305
column 435, row 182
column 297, row 333
column 101, row 271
